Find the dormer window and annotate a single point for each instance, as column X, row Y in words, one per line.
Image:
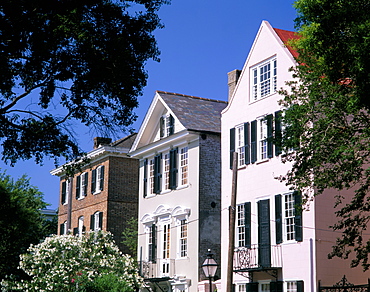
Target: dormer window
column 263, row 79
column 167, row 126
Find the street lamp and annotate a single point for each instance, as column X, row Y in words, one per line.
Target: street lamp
column 209, row 268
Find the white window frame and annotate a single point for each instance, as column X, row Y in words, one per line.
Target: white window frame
column 262, row 286
column 183, row 238
column 65, row 230
column 80, row 225
column 290, row 286
column 240, row 146
column 151, row 176
column 263, row 79
column 96, row 221
column 166, row 171
column 241, row 287
column 98, row 179
column 262, row 139
column 240, row 225
column 67, row 192
column 82, row 194
column 289, row 216
column 183, row 166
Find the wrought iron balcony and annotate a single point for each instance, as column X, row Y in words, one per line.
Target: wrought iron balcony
column 162, row 268
column 257, row 257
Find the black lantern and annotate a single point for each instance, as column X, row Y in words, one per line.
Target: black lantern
column 209, row 268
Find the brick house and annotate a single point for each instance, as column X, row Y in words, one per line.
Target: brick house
column 178, row 146
column 277, row 246
column 104, row 195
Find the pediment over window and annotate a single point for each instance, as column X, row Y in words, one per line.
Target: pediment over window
column 162, row 210
column 179, row 211
column 147, row 219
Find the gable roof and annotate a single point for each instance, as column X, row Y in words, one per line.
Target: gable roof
column 285, row 36
column 195, row 113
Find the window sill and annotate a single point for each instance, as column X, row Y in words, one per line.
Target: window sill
column 96, row 193
column 262, row 161
column 182, row 187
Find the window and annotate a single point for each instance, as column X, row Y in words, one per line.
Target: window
column 63, row 228
column 242, row 288
column 152, row 243
column 65, row 192
column 166, row 249
column 262, row 139
column 167, row 126
column 166, row 169
column 183, row 238
column 97, row 181
column 96, row 221
column 264, row 79
column 81, row 186
column 151, row 176
column 265, row 287
column 184, row 165
column 291, row 286
column 240, row 145
column 243, row 235
column 288, row 217
column 81, row 227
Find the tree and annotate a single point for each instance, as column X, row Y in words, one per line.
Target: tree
column 76, row 263
column 63, row 61
column 129, row 236
column 327, row 121
column 21, row 222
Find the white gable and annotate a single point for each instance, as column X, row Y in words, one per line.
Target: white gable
column 150, row 129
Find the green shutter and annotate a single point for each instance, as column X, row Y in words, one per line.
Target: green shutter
column 252, row 287
column 278, row 219
column 86, row 183
column 61, row 229
column 145, row 186
column 253, row 141
column 101, row 220
column 93, row 181
column 92, row 222
column 173, row 169
column 269, row 136
column 247, row 151
column 298, row 216
column 278, row 135
column 247, row 223
column 232, row 146
column 157, row 173
column 276, row 286
column 161, row 127
column 171, row 125
column 300, row 286
column 154, row 243
column 78, row 184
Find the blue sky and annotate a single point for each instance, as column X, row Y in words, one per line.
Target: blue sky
column 202, row 40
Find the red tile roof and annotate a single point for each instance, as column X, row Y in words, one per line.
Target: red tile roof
column 285, row 36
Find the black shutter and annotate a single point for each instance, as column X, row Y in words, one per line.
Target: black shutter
column 78, row 184
column 173, row 169
column 276, row 286
column 64, row 192
column 278, row 219
column 93, row 181
column 252, row 287
column 101, row 220
column 278, row 136
column 161, row 127
column 300, row 286
column 298, row 216
column 247, row 223
column 157, row 173
column 269, row 136
column 264, row 246
column 102, row 177
column 232, row 146
column 171, row 125
column 75, row 231
column 253, row 141
column 61, row 229
column 247, row 151
column 86, row 183
column 92, row 222
column 145, row 186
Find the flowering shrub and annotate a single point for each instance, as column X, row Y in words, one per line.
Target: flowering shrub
column 71, row 263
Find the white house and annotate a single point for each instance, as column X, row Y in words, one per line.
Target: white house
column 277, row 247
column 179, row 149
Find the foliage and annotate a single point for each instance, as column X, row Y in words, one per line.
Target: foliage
column 130, row 236
column 66, row 61
column 76, row 263
column 21, row 222
column 327, row 122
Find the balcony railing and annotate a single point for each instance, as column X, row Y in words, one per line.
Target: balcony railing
column 257, row 257
column 162, row 268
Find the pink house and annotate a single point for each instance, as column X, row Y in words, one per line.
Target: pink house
column 277, row 247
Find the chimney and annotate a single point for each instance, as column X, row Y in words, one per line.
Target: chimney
column 99, row 141
column 232, row 80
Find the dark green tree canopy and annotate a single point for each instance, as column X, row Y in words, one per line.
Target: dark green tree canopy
column 64, row 61
column 327, row 121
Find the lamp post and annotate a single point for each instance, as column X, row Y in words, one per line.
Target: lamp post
column 209, row 268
